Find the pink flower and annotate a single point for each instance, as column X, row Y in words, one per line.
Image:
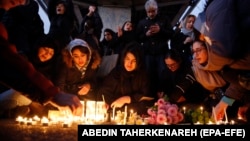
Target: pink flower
column 151, row 120
column 172, row 111
column 161, row 111
column 150, row 111
column 161, row 107
column 160, row 101
column 180, row 116
column 169, row 120
column 174, row 105
column 161, row 118
column 167, row 106
column 175, row 119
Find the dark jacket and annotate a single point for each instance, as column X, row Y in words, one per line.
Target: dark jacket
column 182, row 83
column 92, row 24
column 122, row 83
column 156, row 44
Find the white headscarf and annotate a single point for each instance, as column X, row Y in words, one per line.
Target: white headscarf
column 80, row 42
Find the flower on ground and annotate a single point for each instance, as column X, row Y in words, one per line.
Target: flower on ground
column 163, row 112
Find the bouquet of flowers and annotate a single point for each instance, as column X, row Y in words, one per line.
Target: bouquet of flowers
column 163, row 112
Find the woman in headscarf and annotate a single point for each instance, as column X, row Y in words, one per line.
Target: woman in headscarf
column 79, row 74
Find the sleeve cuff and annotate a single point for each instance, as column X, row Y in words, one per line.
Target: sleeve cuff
column 228, row 100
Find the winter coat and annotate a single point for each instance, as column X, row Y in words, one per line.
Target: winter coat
column 156, row 44
column 182, row 82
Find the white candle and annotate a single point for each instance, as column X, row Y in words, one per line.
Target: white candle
column 125, row 115
column 201, row 108
column 113, row 116
column 45, row 121
column 225, row 112
column 184, row 109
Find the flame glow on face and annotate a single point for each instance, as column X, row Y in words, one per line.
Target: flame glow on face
column 199, row 52
column 130, row 62
column 45, row 53
column 79, row 58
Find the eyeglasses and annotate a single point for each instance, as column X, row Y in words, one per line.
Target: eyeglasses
column 197, row 51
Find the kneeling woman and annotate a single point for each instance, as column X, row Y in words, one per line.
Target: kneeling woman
column 79, row 74
column 127, row 84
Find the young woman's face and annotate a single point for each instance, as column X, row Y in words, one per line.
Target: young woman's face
column 45, row 53
column 199, row 53
column 107, row 36
column 128, row 26
column 172, row 64
column 190, row 23
column 130, row 62
column 79, row 58
column 60, row 8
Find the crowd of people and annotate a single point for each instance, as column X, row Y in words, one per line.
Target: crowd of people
column 185, row 64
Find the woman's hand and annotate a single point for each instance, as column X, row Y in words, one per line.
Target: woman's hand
column 219, row 110
column 121, row 101
column 84, row 89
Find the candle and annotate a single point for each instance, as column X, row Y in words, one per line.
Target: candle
column 201, row 108
column 131, row 113
column 232, row 122
column 20, row 119
column 225, row 112
column 113, row 116
column 125, row 115
column 29, row 122
column 45, row 121
column 210, row 122
column 184, row 109
column 67, row 123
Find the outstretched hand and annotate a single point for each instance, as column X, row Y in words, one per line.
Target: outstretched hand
column 219, row 110
column 64, row 101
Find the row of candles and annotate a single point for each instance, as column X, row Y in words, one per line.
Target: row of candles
column 94, row 113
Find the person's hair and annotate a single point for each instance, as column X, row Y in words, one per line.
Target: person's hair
column 151, row 3
column 109, row 31
column 126, row 23
column 134, row 48
column 174, row 55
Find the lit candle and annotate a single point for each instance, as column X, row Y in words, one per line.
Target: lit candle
column 210, row 122
column 232, row 122
column 113, row 116
column 67, row 123
column 45, row 121
column 184, row 109
column 29, row 122
column 131, row 113
column 125, row 115
column 201, row 108
column 20, row 119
